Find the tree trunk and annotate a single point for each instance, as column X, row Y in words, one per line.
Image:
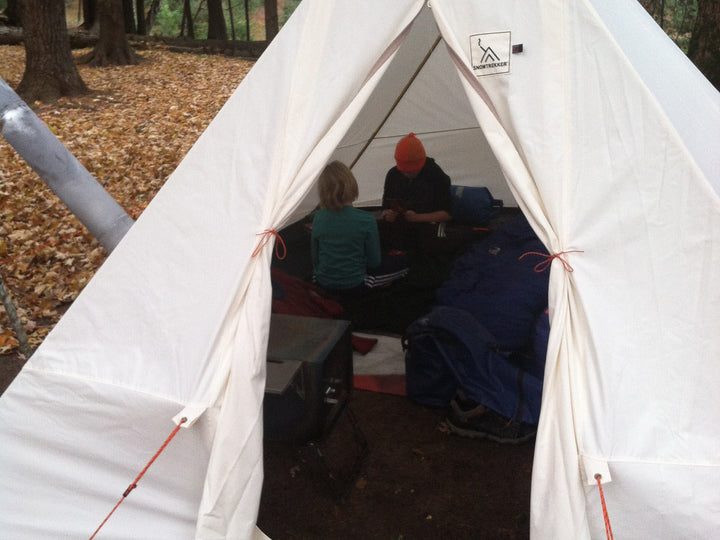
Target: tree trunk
column 271, row 19
column 12, row 12
column 60, row 170
column 152, row 14
column 129, row 16
column 140, row 12
column 50, row 71
column 216, row 21
column 704, row 47
column 187, row 20
column 113, row 47
column 247, row 20
column 232, row 20
column 90, row 10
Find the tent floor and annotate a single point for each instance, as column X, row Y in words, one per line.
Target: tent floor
column 417, row 481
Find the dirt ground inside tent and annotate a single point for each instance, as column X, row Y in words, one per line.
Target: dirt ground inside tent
column 417, row 481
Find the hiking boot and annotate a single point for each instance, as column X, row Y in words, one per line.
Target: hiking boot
column 483, row 423
column 464, row 408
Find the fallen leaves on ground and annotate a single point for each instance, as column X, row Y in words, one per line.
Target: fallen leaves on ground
column 130, row 133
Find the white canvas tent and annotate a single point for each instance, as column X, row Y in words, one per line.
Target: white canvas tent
column 609, row 141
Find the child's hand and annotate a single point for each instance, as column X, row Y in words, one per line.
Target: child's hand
column 389, row 215
column 411, row 217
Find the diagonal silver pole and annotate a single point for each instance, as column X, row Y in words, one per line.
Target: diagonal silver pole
column 65, row 176
column 84, row 196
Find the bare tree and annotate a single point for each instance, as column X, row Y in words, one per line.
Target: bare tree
column 152, row 13
column 247, row 19
column 271, row 19
column 50, row 70
column 216, row 20
column 187, row 20
column 90, row 10
column 113, row 47
column 232, row 19
column 129, row 16
column 140, row 12
column 704, row 47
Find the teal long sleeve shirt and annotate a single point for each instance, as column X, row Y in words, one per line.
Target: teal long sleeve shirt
column 345, row 243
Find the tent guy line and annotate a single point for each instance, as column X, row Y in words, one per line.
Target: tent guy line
column 606, row 514
column 134, row 484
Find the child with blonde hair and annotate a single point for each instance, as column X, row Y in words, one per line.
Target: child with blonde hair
column 345, row 241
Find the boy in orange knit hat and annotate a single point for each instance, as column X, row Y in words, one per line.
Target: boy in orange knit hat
column 416, row 196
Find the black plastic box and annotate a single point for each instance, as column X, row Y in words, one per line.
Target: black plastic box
column 309, row 376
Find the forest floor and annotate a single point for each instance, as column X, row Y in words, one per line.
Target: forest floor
column 417, row 481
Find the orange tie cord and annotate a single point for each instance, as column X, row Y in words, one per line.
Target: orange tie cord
column 139, row 476
column 266, row 235
column 544, row 265
column 608, row 528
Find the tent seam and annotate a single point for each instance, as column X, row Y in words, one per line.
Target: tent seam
column 87, row 378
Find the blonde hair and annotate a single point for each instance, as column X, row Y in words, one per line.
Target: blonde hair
column 337, row 186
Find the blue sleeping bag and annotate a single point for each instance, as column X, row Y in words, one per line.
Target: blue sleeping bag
column 448, row 349
column 502, row 292
column 488, row 335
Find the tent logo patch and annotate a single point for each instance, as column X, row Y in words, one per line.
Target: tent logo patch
column 490, row 53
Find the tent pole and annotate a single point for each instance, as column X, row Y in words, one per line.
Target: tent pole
column 397, row 100
column 83, row 195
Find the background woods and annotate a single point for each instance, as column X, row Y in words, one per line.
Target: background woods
column 43, row 28
column 242, row 19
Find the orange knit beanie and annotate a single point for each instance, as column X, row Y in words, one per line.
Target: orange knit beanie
column 409, row 154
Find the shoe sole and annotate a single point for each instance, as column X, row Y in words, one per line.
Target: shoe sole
column 476, row 434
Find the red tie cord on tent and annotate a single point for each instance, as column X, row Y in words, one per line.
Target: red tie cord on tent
column 608, row 528
column 139, row 476
column 266, row 235
column 544, row 265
